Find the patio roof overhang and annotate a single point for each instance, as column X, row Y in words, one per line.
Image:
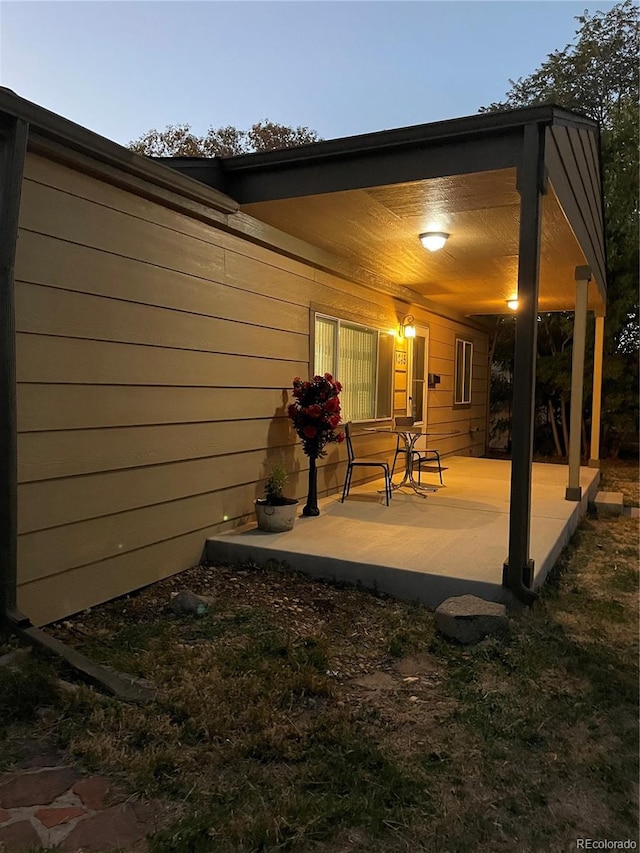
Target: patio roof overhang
column 365, row 199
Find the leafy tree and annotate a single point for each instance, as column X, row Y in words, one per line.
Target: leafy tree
column 597, row 75
column 177, row 140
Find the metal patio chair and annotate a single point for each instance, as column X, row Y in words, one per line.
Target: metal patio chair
column 353, row 462
column 423, row 457
column 401, row 447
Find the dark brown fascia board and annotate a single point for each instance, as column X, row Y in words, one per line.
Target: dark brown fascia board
column 482, row 142
column 375, row 168
column 441, row 131
column 51, row 126
column 485, row 142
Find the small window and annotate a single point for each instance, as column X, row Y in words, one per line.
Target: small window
column 362, row 360
column 464, row 361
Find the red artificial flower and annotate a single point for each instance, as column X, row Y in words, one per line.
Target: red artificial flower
column 315, row 411
column 332, row 404
column 328, row 377
column 309, row 431
column 334, row 420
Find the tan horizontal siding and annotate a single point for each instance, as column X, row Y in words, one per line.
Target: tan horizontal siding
column 50, row 262
column 48, row 503
column 46, row 311
column 55, row 407
column 58, row 595
column 49, row 211
column 54, row 176
column 66, row 453
column 48, row 359
column 58, row 549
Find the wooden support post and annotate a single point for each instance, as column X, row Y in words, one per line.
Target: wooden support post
column 596, row 404
column 518, row 570
column 583, row 277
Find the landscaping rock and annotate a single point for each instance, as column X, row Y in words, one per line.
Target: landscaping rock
column 93, row 791
column 188, row 602
column 117, row 827
column 19, row 835
column 57, row 816
column 35, row 789
column 468, row 618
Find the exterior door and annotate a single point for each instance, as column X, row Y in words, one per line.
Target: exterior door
column 418, row 362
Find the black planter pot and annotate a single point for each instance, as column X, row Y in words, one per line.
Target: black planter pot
column 311, row 507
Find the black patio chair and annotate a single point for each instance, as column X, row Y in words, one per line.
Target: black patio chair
column 401, row 446
column 353, row 462
column 423, row 457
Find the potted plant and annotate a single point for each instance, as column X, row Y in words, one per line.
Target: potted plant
column 315, row 414
column 275, row 513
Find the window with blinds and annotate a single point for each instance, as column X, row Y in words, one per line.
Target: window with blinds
column 362, row 360
column 464, row 360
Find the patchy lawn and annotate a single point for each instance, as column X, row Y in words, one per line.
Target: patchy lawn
column 295, row 715
column 621, row 475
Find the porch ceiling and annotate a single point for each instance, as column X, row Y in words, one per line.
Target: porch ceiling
column 377, row 229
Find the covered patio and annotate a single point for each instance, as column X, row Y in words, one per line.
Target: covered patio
column 451, row 542
column 517, row 197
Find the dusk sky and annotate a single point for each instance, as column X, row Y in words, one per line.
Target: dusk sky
column 341, row 68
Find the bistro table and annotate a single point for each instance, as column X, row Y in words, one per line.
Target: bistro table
column 410, row 435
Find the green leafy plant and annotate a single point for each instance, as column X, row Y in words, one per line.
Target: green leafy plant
column 274, row 485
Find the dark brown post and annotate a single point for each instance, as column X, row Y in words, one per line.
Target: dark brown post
column 13, row 143
column 518, row 570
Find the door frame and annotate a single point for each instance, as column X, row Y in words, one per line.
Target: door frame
column 421, row 332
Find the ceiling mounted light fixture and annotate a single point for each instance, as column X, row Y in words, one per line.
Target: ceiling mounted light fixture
column 433, row 240
column 407, row 327
column 513, row 303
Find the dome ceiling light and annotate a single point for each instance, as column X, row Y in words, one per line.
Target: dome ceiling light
column 433, row 240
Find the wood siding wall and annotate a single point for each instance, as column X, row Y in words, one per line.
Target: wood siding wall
column 154, row 354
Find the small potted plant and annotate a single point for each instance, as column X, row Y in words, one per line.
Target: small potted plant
column 274, row 512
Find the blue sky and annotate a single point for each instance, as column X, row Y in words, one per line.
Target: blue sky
column 341, row 68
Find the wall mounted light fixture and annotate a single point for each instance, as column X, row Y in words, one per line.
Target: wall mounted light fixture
column 433, row 240
column 513, row 303
column 407, row 327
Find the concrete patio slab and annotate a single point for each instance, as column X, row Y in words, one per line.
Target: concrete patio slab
column 451, row 542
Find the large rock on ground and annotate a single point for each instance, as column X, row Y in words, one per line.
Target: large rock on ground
column 190, row 603
column 468, row 618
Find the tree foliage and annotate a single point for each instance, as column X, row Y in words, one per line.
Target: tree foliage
column 177, row 140
column 596, row 75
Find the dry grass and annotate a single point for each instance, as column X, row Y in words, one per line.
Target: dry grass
column 299, row 716
column 621, row 476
